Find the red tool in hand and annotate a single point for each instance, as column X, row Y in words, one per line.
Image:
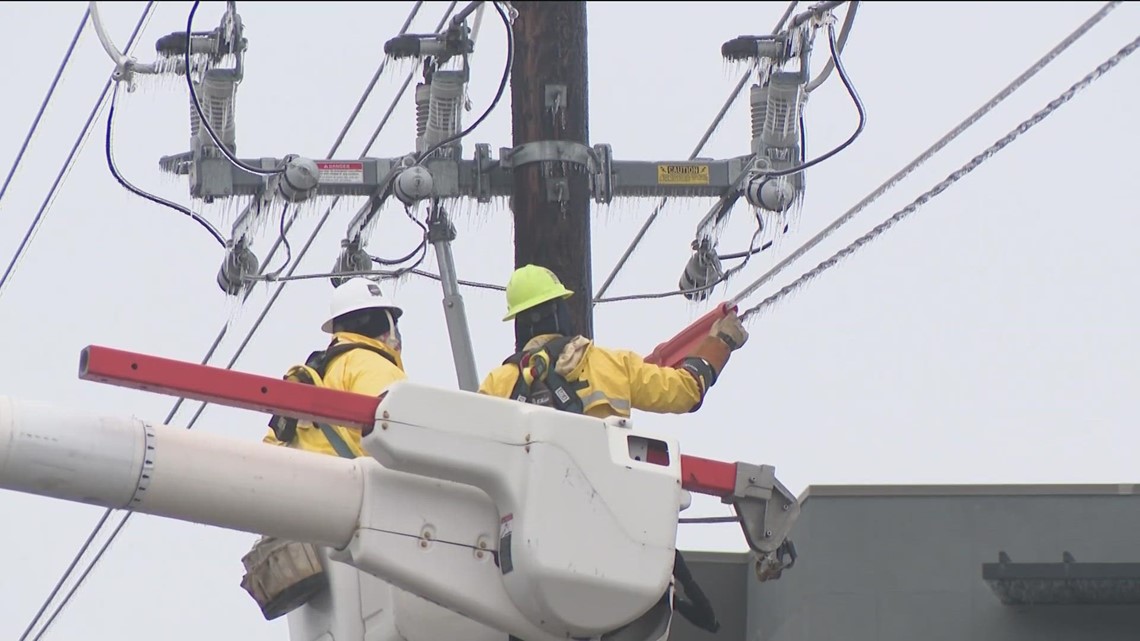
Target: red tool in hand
column 673, row 351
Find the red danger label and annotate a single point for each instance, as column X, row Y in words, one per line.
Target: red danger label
column 341, row 172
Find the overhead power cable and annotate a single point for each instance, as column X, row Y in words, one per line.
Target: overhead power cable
column 44, row 104
column 65, row 170
column 1013, row 86
column 218, row 340
column 976, row 161
column 696, row 152
column 114, row 169
column 205, row 120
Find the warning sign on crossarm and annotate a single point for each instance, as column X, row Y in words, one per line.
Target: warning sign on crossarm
column 682, row 174
column 341, row 173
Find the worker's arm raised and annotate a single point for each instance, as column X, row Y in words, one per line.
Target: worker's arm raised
column 662, row 390
column 682, row 389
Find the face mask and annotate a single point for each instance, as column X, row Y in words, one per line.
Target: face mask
column 392, row 339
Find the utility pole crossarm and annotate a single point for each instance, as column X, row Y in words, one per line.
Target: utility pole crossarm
column 484, row 176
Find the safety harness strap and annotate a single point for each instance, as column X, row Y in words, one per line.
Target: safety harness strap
column 338, row 444
column 285, row 428
column 550, row 388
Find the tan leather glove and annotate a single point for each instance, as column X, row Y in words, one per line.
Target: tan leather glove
column 730, row 330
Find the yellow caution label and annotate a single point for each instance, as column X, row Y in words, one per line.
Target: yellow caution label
column 682, row 174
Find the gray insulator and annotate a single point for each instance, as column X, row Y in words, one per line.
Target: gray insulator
column 238, row 263
column 445, row 106
column 773, row 194
column 413, row 185
column 759, row 104
column 703, row 269
column 299, row 179
column 423, row 106
column 352, row 260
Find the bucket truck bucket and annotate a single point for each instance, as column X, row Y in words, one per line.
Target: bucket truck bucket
column 540, row 524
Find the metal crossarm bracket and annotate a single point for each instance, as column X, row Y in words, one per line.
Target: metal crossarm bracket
column 766, row 508
column 485, row 177
column 547, row 151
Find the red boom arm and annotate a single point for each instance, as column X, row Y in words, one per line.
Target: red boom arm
column 296, row 400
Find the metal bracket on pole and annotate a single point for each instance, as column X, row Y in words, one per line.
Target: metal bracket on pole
column 549, row 151
column 440, row 234
column 482, row 171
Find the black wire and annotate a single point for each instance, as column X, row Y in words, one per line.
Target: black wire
column 405, row 270
column 138, row 192
column 862, row 122
column 284, row 241
column 420, row 158
column 44, row 105
column 408, row 256
column 752, row 251
column 205, row 122
column 759, row 220
column 209, row 354
column 498, row 94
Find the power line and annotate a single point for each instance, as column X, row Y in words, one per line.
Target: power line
column 139, row 26
column 747, row 255
column 114, row 169
column 696, row 151
column 44, row 104
column 933, row 149
column 221, row 334
column 946, row 183
column 893, row 180
column 71, row 156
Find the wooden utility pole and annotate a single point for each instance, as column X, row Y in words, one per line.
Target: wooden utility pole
column 549, row 101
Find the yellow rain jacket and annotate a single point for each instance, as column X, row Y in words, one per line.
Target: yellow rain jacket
column 609, row 382
column 362, row 371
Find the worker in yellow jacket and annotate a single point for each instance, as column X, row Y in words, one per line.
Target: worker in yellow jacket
column 364, row 357
column 555, row 367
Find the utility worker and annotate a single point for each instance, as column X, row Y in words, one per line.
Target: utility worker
column 364, row 357
column 553, row 366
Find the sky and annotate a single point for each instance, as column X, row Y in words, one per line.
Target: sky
column 987, row 339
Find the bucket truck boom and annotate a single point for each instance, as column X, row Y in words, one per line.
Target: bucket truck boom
column 544, row 525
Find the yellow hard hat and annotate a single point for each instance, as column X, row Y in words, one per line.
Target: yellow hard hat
column 532, row 285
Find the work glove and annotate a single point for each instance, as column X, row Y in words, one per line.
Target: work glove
column 730, row 330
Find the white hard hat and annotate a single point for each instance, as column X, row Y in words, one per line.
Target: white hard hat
column 354, row 294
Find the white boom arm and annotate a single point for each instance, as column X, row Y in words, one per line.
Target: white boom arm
column 534, row 522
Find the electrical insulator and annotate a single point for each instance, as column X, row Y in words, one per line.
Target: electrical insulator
column 238, row 263
column 423, row 104
column 702, row 270
column 299, row 179
column 413, row 184
column 216, row 95
column 771, row 193
column 445, row 106
column 776, row 109
column 353, row 259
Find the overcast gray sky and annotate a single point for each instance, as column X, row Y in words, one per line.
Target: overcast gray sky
column 988, row 339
